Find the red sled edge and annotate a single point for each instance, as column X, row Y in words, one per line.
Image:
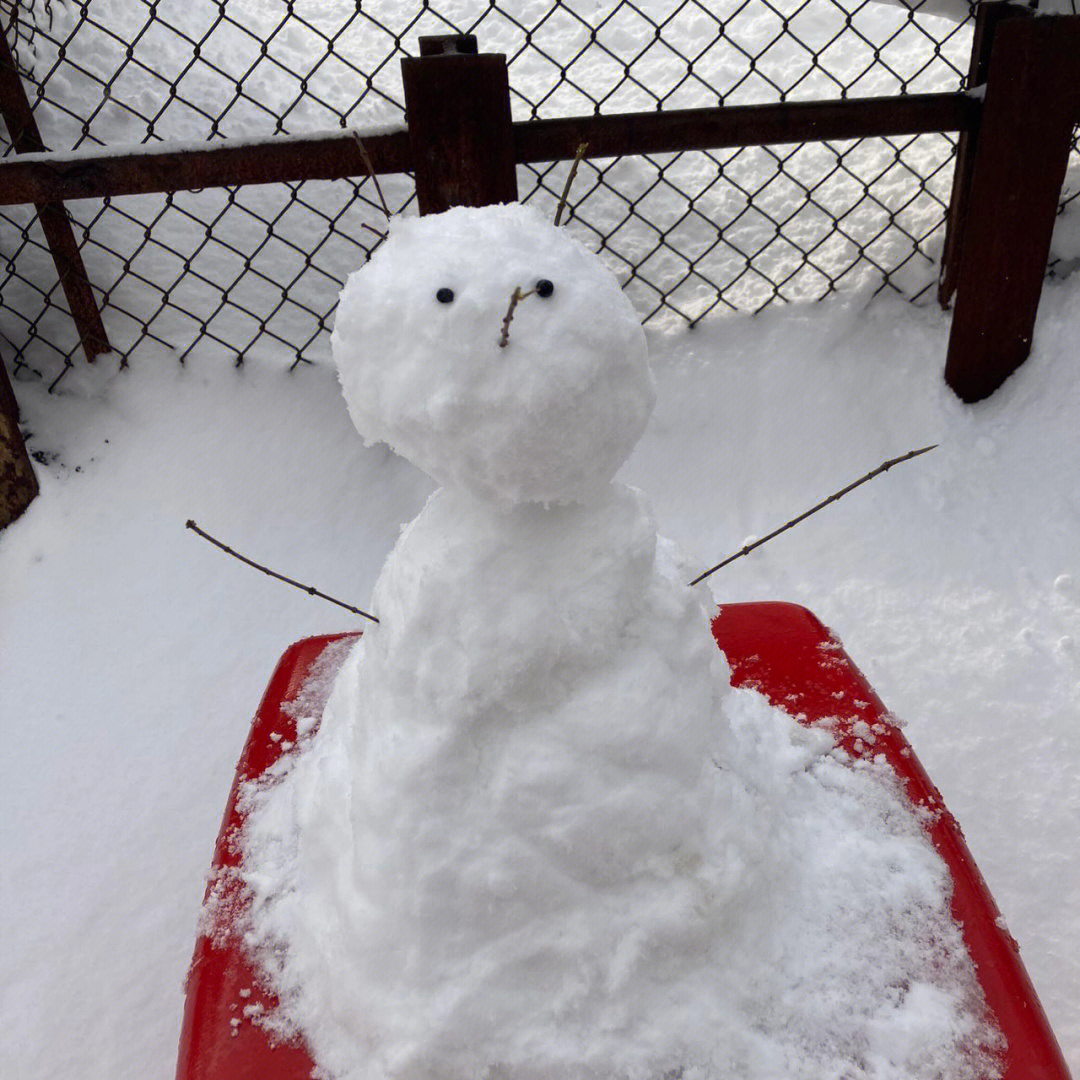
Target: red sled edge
column 221, row 1037
column 787, row 654
column 781, row 650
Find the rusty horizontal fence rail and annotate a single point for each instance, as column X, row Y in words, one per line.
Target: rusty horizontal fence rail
column 191, row 166
column 331, row 156
column 743, row 125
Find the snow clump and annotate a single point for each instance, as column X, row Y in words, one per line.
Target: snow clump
column 548, row 417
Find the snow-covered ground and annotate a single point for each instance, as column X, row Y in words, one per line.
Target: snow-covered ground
column 134, row 653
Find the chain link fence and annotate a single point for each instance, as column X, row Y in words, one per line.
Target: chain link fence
column 257, row 270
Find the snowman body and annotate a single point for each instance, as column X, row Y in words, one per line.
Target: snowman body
column 512, row 819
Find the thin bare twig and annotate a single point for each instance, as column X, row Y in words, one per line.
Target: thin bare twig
column 371, row 228
column 515, row 298
column 883, row 467
column 578, row 155
column 371, row 172
column 309, row 589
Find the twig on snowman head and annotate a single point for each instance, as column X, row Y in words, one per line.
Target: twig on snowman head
column 515, row 298
column 309, row 589
column 883, row 467
column 371, row 172
column 578, row 155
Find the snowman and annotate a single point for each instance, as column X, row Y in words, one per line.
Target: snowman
column 530, row 832
column 511, row 848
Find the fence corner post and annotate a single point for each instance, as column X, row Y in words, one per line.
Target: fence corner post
column 18, row 485
column 52, row 216
column 988, row 15
column 1032, row 102
column 457, row 105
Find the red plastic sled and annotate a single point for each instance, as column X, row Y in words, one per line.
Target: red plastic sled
column 781, row 650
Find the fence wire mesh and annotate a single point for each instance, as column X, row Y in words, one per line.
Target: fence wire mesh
column 259, row 269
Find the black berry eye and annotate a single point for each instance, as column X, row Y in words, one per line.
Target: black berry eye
column 445, row 296
column 544, row 288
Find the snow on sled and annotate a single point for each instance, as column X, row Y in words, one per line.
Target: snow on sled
column 779, row 649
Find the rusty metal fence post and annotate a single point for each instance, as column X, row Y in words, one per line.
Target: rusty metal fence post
column 987, row 17
column 52, row 216
column 1014, row 168
column 457, row 105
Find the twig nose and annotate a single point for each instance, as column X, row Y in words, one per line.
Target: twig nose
column 515, row 298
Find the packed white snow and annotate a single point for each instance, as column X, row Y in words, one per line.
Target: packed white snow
column 488, row 927
column 546, row 411
column 536, row 834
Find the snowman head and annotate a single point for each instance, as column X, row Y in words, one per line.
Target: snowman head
column 547, row 417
